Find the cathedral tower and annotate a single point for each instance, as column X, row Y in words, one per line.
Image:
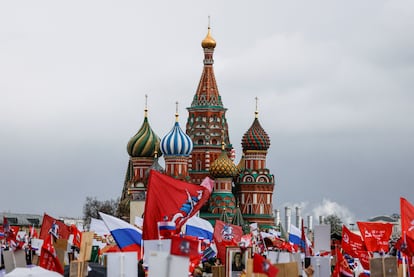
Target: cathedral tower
column 255, row 183
column 176, row 147
column 206, row 118
column 142, row 149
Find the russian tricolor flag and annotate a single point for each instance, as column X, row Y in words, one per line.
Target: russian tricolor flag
column 295, row 235
column 198, row 227
column 166, row 229
column 127, row 236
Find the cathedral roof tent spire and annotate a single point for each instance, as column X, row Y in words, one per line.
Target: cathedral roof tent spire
column 207, row 94
column 206, row 117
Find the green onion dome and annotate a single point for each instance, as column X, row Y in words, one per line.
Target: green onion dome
column 145, row 142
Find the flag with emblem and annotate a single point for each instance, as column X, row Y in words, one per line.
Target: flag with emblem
column 57, row 228
column 226, row 234
column 264, row 266
column 351, row 242
column 169, row 199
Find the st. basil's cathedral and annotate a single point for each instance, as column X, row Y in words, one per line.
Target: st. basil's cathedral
column 242, row 193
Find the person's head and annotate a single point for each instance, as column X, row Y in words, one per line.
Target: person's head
column 237, row 257
column 197, row 272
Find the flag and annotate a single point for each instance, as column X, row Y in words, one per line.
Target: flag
column 226, row 234
column 295, row 236
column 77, row 236
column 55, row 227
column 198, row 227
column 261, row 265
column 185, row 246
column 139, row 221
column 209, row 252
column 169, row 199
column 376, row 235
column 407, row 218
column 166, row 229
column 33, row 233
column 127, row 236
column 48, row 258
column 341, row 266
column 351, row 242
column 246, row 240
column 304, row 239
column 10, row 234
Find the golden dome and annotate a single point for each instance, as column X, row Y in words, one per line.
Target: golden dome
column 223, row 167
column 208, row 41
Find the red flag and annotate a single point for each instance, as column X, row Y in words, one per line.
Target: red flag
column 56, row 227
column 407, row 218
column 33, row 233
column 10, row 234
column 261, row 265
column 351, row 242
column 364, row 257
column 405, row 245
column 304, row 239
column 169, row 199
column 341, row 266
column 185, row 246
column 77, row 235
column 224, row 235
column 376, row 235
column 48, row 258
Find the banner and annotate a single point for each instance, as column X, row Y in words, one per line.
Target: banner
column 351, row 242
column 376, row 235
column 169, row 199
column 55, row 227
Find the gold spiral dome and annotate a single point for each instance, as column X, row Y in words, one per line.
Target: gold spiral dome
column 208, row 41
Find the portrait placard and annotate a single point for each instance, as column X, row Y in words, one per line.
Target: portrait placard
column 236, row 260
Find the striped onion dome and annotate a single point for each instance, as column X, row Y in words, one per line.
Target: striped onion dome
column 145, row 142
column 223, row 167
column 176, row 142
column 255, row 138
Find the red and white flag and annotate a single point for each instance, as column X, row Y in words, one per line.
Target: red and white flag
column 407, row 218
column 169, row 199
column 48, row 258
column 341, row 267
column 261, row 265
column 376, row 235
column 33, row 233
column 224, row 235
column 185, row 246
column 351, row 242
column 55, row 227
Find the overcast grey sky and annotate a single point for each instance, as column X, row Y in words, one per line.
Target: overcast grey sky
column 334, row 80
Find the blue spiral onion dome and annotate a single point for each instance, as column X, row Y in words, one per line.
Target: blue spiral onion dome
column 145, row 142
column 255, row 138
column 223, row 167
column 176, row 142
